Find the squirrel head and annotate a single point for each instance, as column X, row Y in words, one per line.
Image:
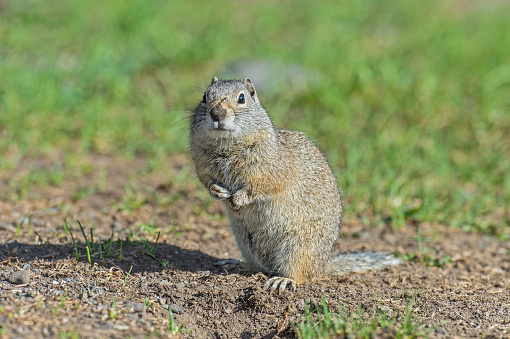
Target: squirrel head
column 230, row 109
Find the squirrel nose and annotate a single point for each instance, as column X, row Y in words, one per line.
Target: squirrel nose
column 218, row 112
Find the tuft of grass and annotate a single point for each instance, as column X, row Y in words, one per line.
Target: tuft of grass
column 147, row 302
column 427, row 259
column 88, row 254
column 20, row 225
column 132, row 199
column 162, row 262
column 113, row 310
column 127, row 275
column 326, row 324
column 62, row 304
column 425, row 254
column 119, row 255
column 75, row 245
column 173, row 329
column 73, row 334
column 40, row 240
column 149, row 228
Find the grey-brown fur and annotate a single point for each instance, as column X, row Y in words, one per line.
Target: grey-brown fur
column 281, row 196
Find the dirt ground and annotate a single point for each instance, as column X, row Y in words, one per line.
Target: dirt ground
column 468, row 297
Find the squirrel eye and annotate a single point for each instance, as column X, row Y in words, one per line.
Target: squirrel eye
column 204, row 99
column 240, row 99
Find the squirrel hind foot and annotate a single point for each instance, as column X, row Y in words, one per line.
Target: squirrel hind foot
column 281, row 284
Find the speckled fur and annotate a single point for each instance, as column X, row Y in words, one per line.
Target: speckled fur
column 281, row 196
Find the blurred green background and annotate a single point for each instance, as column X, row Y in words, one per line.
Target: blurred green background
column 410, row 100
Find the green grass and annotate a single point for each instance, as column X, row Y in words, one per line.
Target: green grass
column 412, row 110
column 322, row 323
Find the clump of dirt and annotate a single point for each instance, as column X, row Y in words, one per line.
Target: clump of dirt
column 461, row 281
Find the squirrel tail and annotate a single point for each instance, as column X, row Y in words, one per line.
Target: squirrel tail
column 359, row 262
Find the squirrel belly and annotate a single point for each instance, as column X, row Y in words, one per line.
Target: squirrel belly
column 281, row 196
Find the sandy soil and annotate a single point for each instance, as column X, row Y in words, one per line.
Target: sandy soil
column 468, row 297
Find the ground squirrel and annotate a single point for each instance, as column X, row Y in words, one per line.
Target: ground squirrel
column 281, row 196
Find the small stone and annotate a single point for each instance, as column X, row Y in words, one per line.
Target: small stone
column 179, row 286
column 162, row 301
column 52, row 210
column 441, row 331
column 383, row 308
column 177, row 309
column 37, row 270
column 300, row 304
column 26, row 266
column 19, row 277
column 134, row 306
column 228, row 310
column 120, row 327
column 55, row 282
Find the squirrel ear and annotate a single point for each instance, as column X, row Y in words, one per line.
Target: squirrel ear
column 251, row 88
column 215, row 79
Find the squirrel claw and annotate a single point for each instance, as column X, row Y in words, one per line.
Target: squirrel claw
column 280, row 283
column 234, row 206
column 228, row 263
column 218, row 192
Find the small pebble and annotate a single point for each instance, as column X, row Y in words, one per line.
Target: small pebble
column 19, row 277
column 134, row 306
column 177, row 309
column 37, row 270
column 120, row 327
column 26, row 266
column 228, row 310
column 441, row 331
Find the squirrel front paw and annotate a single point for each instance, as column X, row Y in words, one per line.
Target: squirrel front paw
column 218, row 192
column 239, row 199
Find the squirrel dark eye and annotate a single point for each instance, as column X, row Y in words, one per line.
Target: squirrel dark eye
column 240, row 99
column 204, row 99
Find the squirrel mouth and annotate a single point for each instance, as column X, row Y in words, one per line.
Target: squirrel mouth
column 217, row 126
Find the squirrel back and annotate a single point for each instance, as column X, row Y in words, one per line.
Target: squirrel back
column 281, row 195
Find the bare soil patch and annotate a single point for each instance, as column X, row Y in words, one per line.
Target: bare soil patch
column 469, row 296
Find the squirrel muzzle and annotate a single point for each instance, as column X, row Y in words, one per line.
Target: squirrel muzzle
column 218, row 113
